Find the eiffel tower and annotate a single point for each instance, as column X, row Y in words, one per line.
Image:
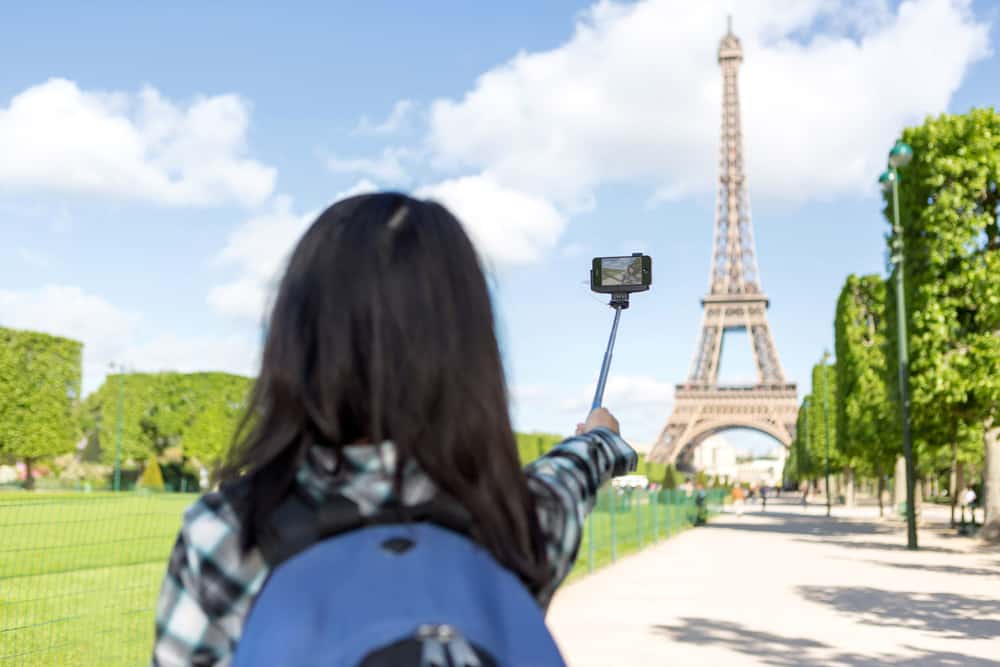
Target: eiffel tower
column 735, row 301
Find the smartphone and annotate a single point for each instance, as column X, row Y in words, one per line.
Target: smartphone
column 621, row 275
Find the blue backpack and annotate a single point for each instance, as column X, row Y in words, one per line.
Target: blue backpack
column 353, row 591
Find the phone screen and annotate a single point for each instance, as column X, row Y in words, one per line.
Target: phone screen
column 621, row 271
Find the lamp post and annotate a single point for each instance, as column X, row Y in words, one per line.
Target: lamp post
column 826, row 430
column 118, row 437
column 805, row 451
column 900, row 156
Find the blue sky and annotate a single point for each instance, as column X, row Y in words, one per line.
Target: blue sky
column 156, row 164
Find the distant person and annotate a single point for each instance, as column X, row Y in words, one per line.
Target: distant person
column 738, row 499
column 763, row 498
column 969, row 500
column 380, row 402
column 701, row 505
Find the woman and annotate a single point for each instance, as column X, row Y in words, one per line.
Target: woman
column 381, row 382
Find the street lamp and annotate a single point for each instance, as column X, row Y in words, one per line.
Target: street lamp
column 826, row 430
column 805, row 451
column 118, row 437
column 900, row 156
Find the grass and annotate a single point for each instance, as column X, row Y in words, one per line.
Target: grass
column 80, row 573
column 79, row 576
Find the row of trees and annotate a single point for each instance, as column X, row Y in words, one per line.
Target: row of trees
column 949, row 207
column 189, row 416
column 137, row 418
column 142, row 420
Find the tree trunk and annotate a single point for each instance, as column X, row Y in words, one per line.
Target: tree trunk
column 953, row 482
column 899, row 484
column 29, row 475
column 849, row 495
column 881, row 491
column 991, row 479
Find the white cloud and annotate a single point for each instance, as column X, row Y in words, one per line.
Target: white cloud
column 112, row 335
column 635, row 96
column 245, row 297
column 64, row 310
column 641, row 404
column 57, row 137
column 396, row 120
column 388, row 167
column 362, row 187
column 261, row 244
column 229, row 353
column 622, row 390
column 259, row 248
column 507, row 225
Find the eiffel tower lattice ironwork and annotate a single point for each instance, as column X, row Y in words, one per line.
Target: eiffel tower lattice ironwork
column 735, row 301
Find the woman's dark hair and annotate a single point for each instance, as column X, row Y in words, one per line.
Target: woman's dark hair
column 383, row 329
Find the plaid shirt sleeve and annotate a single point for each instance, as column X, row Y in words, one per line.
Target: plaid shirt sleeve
column 564, row 483
column 207, row 590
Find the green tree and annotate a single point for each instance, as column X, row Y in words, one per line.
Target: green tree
column 949, row 203
column 867, row 421
column 159, row 411
column 39, row 392
column 209, row 435
column 822, row 423
column 800, row 461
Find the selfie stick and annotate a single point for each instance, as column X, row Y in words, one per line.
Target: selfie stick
column 619, row 302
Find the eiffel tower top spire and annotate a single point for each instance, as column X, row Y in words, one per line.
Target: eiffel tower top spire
column 734, row 262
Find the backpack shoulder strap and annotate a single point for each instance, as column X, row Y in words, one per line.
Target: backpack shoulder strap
column 298, row 522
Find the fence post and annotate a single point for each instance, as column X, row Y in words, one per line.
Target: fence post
column 656, row 524
column 614, row 532
column 638, row 518
column 673, row 511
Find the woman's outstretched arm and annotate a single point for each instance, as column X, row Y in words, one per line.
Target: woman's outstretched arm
column 564, row 483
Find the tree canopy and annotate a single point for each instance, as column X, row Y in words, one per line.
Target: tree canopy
column 40, row 378
column 197, row 412
column 948, row 208
column 867, row 423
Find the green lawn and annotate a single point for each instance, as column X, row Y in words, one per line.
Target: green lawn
column 79, row 576
column 80, row 573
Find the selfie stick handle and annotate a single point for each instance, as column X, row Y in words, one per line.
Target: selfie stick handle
column 618, row 304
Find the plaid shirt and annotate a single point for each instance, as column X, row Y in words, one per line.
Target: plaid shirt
column 210, row 584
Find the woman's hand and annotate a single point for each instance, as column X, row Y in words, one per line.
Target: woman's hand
column 597, row 418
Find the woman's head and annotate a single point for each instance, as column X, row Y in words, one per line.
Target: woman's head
column 383, row 329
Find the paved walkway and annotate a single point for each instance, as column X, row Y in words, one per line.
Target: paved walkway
column 789, row 587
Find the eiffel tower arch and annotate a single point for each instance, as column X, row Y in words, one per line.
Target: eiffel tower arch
column 735, row 301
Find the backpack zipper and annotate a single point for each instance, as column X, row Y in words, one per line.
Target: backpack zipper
column 443, row 646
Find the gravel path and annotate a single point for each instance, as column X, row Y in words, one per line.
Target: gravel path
column 789, row 587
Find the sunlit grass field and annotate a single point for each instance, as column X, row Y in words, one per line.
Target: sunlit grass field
column 80, row 573
column 79, row 576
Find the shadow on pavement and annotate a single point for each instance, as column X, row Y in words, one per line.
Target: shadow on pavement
column 942, row 569
column 782, row 651
column 800, row 524
column 813, row 529
column 946, row 615
column 883, row 546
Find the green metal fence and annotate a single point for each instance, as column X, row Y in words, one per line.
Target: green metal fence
column 80, row 573
column 624, row 521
